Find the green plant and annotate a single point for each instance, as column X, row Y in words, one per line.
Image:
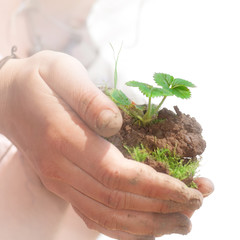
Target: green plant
column 139, row 154
column 178, row 167
column 116, row 63
column 168, row 86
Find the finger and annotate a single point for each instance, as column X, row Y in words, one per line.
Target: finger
column 137, row 223
column 71, row 174
column 110, row 233
column 69, row 79
column 205, row 186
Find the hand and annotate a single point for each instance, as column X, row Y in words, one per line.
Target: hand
column 54, row 115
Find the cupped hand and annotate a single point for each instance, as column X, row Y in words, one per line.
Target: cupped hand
column 55, row 115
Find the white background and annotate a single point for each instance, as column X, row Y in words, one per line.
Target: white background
column 198, row 41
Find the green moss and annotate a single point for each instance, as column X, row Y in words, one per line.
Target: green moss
column 139, row 154
column 178, row 167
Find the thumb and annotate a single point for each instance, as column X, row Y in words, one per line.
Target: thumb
column 205, row 186
column 69, row 79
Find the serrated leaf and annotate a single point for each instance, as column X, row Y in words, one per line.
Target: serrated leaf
column 181, row 82
column 120, row 98
column 149, row 90
column 163, row 80
column 161, row 92
column 181, row 92
column 145, row 88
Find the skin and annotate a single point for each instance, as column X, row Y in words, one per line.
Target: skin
column 56, row 116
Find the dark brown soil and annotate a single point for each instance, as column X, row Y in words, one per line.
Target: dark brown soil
column 175, row 131
column 158, row 166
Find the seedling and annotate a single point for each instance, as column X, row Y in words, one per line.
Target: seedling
column 168, row 86
column 180, row 161
column 116, row 63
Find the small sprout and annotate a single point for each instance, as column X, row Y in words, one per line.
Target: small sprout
column 116, row 64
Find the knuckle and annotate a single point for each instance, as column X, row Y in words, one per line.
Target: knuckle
column 117, row 199
column 85, row 101
column 110, row 178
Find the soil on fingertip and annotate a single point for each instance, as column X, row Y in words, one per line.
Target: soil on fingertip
column 176, row 131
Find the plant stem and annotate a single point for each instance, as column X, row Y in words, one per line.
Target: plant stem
column 115, row 76
column 147, row 115
column 116, row 66
column 161, row 103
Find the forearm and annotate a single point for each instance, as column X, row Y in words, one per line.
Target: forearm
column 3, row 96
column 5, row 85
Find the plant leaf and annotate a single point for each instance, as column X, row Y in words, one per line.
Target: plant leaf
column 149, row 90
column 145, row 88
column 161, row 92
column 120, row 98
column 181, row 82
column 181, row 92
column 163, row 80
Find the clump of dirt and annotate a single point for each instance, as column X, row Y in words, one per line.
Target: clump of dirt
column 176, row 131
column 158, row 166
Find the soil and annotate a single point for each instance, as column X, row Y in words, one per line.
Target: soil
column 174, row 130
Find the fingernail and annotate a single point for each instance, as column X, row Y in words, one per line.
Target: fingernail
column 109, row 122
